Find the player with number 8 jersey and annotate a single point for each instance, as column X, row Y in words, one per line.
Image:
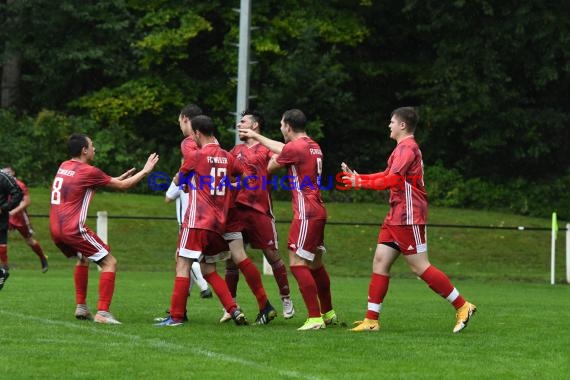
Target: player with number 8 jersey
column 72, row 190
column 68, row 210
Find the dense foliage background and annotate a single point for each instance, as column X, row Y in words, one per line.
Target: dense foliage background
column 491, row 80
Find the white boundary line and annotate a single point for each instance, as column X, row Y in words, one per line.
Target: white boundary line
column 162, row 344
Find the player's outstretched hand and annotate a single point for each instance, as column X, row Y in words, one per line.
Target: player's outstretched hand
column 349, row 177
column 346, row 169
column 150, row 163
column 248, row 133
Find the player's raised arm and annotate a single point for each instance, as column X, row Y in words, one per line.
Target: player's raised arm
column 127, row 183
column 126, row 174
column 272, row 145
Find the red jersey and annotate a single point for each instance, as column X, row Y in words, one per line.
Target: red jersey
column 187, row 146
column 408, row 199
column 207, row 172
column 254, row 190
column 71, row 192
column 304, row 161
column 20, row 219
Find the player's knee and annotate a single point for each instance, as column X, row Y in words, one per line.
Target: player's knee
column 109, row 263
column 272, row 255
column 238, row 256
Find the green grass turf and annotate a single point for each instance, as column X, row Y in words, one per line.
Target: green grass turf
column 518, row 332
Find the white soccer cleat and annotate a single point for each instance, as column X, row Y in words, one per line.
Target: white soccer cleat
column 106, row 318
column 82, row 312
column 288, row 309
column 225, row 317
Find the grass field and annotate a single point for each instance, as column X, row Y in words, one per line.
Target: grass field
column 520, row 330
column 518, row 333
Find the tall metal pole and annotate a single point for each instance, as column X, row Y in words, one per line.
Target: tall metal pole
column 242, row 97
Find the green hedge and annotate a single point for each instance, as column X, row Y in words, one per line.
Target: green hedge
column 35, row 146
column 447, row 188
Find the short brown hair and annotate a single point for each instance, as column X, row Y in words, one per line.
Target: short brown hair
column 408, row 115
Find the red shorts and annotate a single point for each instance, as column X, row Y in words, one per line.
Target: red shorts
column 257, row 229
column 410, row 239
column 306, row 236
column 21, row 222
column 25, row 230
column 86, row 244
column 202, row 245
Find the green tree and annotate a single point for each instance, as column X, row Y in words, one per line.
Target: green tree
column 493, row 100
column 68, row 48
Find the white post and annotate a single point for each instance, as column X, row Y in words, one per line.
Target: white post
column 102, row 225
column 242, row 96
column 553, row 248
column 266, row 267
column 102, row 228
column 568, row 253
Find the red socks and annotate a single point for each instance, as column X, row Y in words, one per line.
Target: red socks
column 37, row 248
column 323, row 282
column 253, row 278
column 376, row 292
column 232, row 279
column 81, row 277
column 106, row 290
column 280, row 274
column 179, row 296
column 439, row 283
column 221, row 289
column 308, row 288
column 4, row 255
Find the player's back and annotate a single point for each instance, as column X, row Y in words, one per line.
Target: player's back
column 304, row 160
column 210, row 170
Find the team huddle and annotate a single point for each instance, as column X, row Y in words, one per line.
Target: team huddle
column 217, row 221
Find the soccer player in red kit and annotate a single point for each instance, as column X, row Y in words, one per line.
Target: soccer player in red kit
column 72, row 190
column 304, row 161
column 20, row 221
column 207, row 173
column 251, row 220
column 404, row 228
